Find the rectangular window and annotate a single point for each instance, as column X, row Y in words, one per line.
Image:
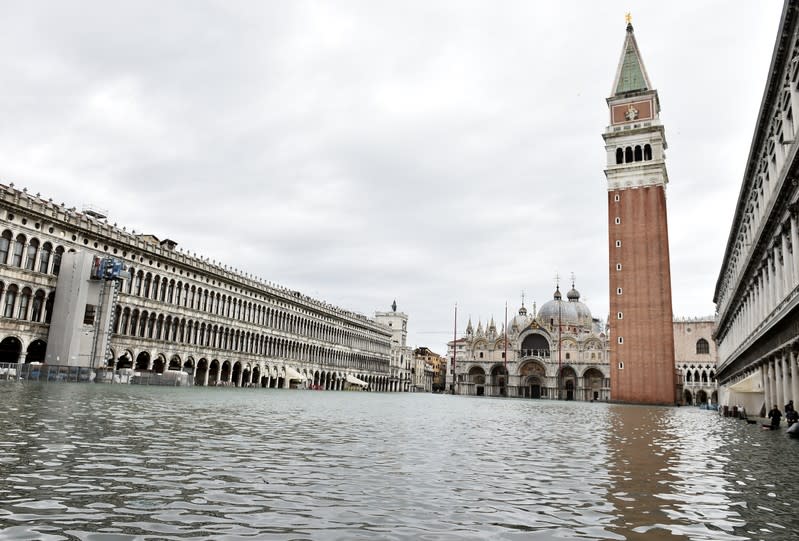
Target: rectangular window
column 619, row 316
column 618, row 266
column 621, row 365
column 621, row 339
column 617, row 198
column 618, row 291
column 88, row 315
column 618, row 220
column 618, row 244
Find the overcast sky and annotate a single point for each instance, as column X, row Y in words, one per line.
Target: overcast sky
column 366, row 151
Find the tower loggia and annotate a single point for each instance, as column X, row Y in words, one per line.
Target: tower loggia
column 641, row 332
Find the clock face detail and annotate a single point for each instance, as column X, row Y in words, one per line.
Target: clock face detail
column 632, row 113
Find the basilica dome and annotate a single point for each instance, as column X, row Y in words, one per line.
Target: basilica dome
column 571, row 313
column 520, row 321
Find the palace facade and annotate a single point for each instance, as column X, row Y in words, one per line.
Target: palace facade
column 757, row 291
column 167, row 310
column 696, row 360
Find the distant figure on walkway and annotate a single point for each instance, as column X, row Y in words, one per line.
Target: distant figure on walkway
column 775, row 415
column 791, row 416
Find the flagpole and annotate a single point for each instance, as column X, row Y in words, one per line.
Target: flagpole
column 506, row 341
column 454, row 348
column 559, row 349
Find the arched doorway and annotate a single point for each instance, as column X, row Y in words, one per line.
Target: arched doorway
column 200, row 371
column 532, row 376
column 701, row 397
column 688, row 397
column 188, row 367
column 224, row 375
column 592, row 384
column 125, row 361
column 143, row 361
column 159, row 364
column 567, row 383
column 236, row 375
column 10, row 348
column 174, row 363
column 477, row 379
column 213, row 373
column 499, row 380
column 36, row 351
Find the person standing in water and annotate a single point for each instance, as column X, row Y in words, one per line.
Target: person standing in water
column 775, row 415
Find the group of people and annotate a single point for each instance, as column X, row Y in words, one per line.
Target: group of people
column 791, row 417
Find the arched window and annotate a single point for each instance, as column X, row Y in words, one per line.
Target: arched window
column 638, row 155
column 628, row 155
column 619, row 155
column 48, row 307
column 129, row 288
column 5, row 244
column 30, row 260
column 688, row 377
column 44, row 260
column 59, row 253
column 24, row 302
column 38, row 304
column 171, row 292
column 702, row 347
column 11, row 300
column 16, row 255
column 647, row 152
column 137, row 283
column 147, row 282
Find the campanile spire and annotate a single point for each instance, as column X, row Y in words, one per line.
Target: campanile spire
column 641, row 328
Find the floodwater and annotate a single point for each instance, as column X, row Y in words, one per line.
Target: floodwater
column 118, row 462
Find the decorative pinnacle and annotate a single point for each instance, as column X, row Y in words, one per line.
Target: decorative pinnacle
column 628, row 17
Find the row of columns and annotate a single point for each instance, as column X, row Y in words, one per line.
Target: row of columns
column 28, row 313
column 196, row 333
column 229, row 307
column 32, row 261
column 775, row 280
column 781, row 379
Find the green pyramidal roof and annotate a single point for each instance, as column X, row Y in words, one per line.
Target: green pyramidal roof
column 631, row 75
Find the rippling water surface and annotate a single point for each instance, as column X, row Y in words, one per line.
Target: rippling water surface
column 115, row 462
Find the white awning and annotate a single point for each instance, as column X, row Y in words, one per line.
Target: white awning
column 750, row 384
column 355, row 381
column 293, row 374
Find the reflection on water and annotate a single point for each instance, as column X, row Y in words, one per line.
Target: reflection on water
column 120, row 462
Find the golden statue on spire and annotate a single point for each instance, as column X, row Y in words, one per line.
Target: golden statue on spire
column 628, row 17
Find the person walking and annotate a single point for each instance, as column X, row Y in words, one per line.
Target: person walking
column 775, row 415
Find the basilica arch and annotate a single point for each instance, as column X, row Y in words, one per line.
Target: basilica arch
column 567, row 383
column 532, row 379
column 477, row 380
column 499, row 380
column 593, row 380
column 535, row 344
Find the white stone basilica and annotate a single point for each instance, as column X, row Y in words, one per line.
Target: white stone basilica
column 561, row 352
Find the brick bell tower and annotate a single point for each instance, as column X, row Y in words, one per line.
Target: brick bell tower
column 641, row 330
